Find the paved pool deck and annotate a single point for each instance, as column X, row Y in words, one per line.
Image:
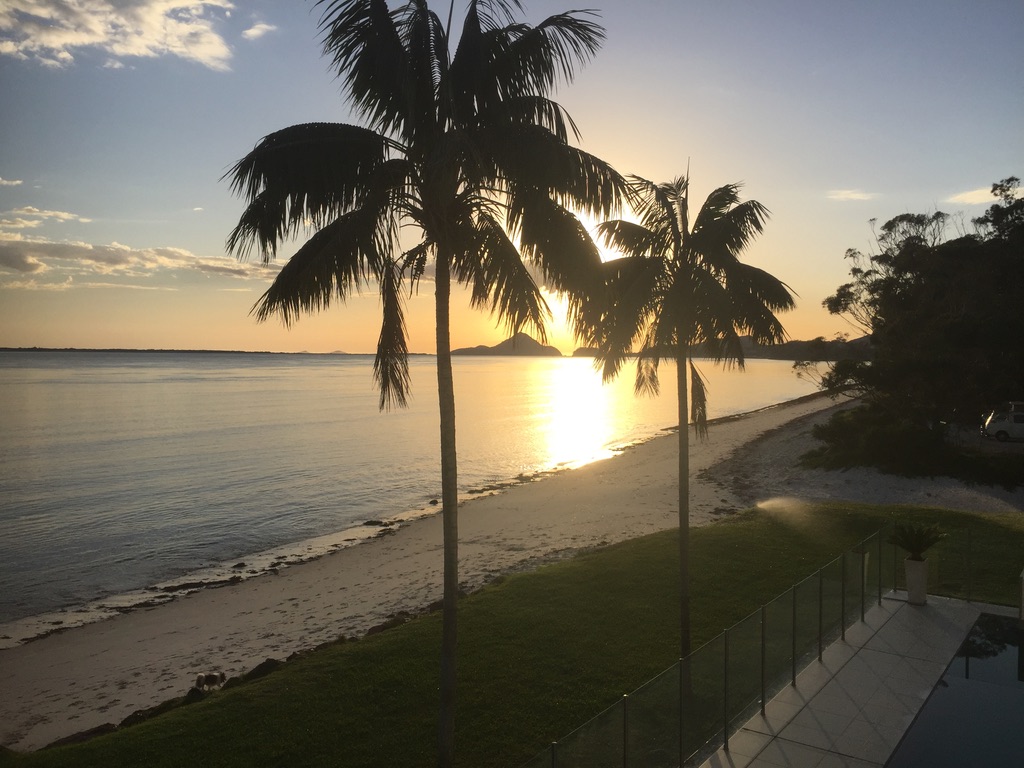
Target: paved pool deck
column 852, row 708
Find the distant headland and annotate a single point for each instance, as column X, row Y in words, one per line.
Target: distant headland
column 520, row 345
column 523, row 345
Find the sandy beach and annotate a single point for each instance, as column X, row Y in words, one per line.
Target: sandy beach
column 77, row 679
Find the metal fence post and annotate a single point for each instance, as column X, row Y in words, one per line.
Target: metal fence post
column 863, row 579
column 894, row 568
column 879, row 535
column 682, row 704
column 764, row 657
column 625, row 730
column 725, row 694
column 970, row 564
column 792, row 637
column 842, row 598
column 821, row 611
column 554, row 754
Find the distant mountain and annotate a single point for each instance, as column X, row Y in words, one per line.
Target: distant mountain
column 520, row 345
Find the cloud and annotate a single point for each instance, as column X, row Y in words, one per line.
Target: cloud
column 981, row 196
column 256, row 31
column 35, row 285
column 9, row 182
column 41, row 215
column 19, row 261
column 19, row 224
column 850, row 194
column 51, row 31
column 65, row 259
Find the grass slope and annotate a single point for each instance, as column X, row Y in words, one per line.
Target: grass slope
column 539, row 653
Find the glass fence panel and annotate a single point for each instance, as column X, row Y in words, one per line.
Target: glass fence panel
column 870, row 547
column 856, row 564
column 598, row 743
column 543, row 760
column 949, row 564
column 779, row 640
column 703, row 697
column 743, row 667
column 688, row 708
column 891, row 563
column 832, row 600
column 807, row 606
column 653, row 722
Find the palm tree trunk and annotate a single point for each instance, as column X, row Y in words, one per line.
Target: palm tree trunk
column 682, row 374
column 449, row 512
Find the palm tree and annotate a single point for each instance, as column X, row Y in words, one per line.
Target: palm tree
column 680, row 285
column 467, row 158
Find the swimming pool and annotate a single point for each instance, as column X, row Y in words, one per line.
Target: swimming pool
column 975, row 714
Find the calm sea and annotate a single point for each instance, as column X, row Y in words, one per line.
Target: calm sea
column 124, row 474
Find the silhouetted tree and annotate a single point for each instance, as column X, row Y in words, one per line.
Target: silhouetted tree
column 679, row 285
column 943, row 316
column 463, row 148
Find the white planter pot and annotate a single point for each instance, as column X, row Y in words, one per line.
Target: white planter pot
column 917, row 581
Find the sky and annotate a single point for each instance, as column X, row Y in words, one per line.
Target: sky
column 119, row 119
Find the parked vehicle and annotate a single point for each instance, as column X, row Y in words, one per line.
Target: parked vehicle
column 1005, row 423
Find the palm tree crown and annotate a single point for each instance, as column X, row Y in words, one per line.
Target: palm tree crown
column 463, row 166
column 467, row 149
column 681, row 284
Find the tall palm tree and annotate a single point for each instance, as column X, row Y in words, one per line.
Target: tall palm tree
column 680, row 285
column 465, row 155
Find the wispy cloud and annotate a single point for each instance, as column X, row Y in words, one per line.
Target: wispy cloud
column 256, row 31
column 980, row 196
column 9, row 182
column 40, row 216
column 35, row 285
column 850, row 194
column 20, row 224
column 52, row 31
column 77, row 259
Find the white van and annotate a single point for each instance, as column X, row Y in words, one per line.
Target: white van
column 1005, row 424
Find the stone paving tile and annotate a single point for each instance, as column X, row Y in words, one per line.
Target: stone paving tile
column 851, row 709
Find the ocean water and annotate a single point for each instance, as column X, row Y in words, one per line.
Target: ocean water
column 127, row 477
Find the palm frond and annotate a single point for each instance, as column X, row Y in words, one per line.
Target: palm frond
column 534, row 59
column 627, row 237
column 657, row 206
column 554, row 240
column 501, row 282
column 362, row 39
column 698, row 400
column 426, row 44
column 647, row 382
column 332, row 263
column 302, row 177
column 721, row 234
column 391, row 364
column 632, row 304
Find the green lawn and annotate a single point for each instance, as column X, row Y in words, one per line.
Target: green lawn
column 539, row 653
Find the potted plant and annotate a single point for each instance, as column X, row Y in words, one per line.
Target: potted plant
column 916, row 539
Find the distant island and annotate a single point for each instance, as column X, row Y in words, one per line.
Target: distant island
column 520, row 345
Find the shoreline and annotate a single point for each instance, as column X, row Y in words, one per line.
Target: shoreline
column 79, row 678
column 86, row 677
column 272, row 561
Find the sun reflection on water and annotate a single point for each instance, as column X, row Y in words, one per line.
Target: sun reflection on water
column 577, row 426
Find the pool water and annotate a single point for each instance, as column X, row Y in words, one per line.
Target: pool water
column 975, row 715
